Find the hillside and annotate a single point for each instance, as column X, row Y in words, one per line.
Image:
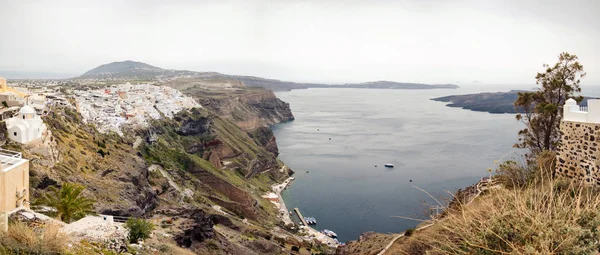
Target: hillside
column 138, row 70
column 123, row 69
column 204, row 169
column 498, row 102
column 131, row 70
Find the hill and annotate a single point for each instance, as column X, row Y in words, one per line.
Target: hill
column 138, row 70
column 496, row 102
column 126, row 68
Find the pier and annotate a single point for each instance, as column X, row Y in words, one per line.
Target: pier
column 300, row 216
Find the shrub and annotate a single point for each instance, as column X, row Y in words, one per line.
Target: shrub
column 521, row 174
column 69, row 202
column 409, row 232
column 138, row 229
column 513, row 174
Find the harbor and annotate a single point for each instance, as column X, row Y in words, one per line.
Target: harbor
column 326, row 237
column 285, row 215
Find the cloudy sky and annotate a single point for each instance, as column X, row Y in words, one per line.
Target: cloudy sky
column 430, row 41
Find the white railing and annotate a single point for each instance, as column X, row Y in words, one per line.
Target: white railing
column 9, row 158
column 11, row 154
column 586, row 114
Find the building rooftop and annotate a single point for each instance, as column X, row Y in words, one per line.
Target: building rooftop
column 584, row 114
column 10, row 159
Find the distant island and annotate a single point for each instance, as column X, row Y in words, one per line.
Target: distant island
column 494, row 102
column 142, row 71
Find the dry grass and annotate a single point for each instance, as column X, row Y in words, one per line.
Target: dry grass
column 22, row 239
column 370, row 243
column 555, row 218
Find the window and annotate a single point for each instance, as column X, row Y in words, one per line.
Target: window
column 15, row 133
column 23, row 116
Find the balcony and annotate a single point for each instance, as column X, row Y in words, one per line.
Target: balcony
column 10, row 159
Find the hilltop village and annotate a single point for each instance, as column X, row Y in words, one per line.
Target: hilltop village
column 112, row 107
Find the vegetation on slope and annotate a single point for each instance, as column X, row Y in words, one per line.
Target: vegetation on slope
column 24, row 239
column 533, row 214
column 69, row 202
column 542, row 109
column 197, row 169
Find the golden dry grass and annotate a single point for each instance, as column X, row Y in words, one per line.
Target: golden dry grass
column 23, row 239
column 547, row 218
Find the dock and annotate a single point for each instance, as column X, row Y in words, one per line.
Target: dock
column 300, row 216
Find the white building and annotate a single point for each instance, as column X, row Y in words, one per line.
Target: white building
column 25, row 127
column 586, row 114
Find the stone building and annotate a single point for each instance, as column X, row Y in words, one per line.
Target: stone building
column 579, row 154
column 27, row 126
column 14, row 184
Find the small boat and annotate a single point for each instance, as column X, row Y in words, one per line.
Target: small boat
column 310, row 221
column 329, row 233
column 389, row 165
column 333, row 234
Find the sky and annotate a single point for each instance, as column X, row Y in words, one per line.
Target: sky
column 427, row 41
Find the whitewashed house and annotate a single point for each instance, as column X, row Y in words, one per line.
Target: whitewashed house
column 27, row 126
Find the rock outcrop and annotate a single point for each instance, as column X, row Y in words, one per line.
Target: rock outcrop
column 199, row 230
column 248, row 108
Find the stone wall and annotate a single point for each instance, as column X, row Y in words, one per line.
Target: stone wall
column 579, row 155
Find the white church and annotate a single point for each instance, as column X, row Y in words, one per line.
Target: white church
column 27, row 126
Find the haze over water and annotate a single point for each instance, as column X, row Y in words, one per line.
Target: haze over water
column 439, row 148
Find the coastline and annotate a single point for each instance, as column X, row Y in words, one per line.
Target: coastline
column 284, row 215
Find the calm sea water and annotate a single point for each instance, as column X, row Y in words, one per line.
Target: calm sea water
column 437, row 147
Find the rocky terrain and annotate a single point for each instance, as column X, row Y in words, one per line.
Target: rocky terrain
column 249, row 108
column 204, row 171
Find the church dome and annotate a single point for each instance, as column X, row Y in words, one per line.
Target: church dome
column 27, row 110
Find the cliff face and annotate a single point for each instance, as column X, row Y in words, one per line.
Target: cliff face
column 248, row 107
column 257, row 108
column 221, row 156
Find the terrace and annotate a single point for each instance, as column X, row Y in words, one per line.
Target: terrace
column 10, row 159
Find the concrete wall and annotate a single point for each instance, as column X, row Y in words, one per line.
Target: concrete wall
column 11, row 181
column 579, row 153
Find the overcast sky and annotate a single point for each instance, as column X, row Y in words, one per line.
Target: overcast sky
column 429, row 41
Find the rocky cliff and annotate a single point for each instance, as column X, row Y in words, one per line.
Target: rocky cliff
column 206, row 167
column 248, row 107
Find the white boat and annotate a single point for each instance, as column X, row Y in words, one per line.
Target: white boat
column 329, row 233
column 389, row 165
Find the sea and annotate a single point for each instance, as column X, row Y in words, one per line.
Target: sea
column 341, row 139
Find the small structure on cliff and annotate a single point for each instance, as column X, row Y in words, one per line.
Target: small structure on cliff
column 27, row 126
column 579, row 154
